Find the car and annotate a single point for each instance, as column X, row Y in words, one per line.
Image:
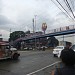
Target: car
column 28, row 48
column 73, row 47
column 57, row 50
column 38, row 48
column 43, row 48
column 13, row 49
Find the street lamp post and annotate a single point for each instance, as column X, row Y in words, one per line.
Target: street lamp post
column 35, row 22
column 35, row 31
column 63, row 40
column 33, row 25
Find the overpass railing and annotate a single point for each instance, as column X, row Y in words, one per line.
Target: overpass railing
column 70, row 27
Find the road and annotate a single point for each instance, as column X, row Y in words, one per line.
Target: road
column 28, row 62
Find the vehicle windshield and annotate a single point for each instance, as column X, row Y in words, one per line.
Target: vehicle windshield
column 4, row 47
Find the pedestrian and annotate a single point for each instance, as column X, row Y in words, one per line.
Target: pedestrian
column 67, row 47
column 68, row 59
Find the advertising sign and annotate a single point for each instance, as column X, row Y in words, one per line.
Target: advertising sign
column 44, row 27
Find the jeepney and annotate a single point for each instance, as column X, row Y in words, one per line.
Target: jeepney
column 7, row 52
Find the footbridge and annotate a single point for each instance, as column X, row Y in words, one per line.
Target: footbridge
column 55, row 32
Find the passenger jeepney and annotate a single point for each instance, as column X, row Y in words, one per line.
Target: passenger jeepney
column 7, row 52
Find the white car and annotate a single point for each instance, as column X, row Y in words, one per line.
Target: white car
column 57, row 51
column 73, row 47
column 28, row 48
column 43, row 48
column 13, row 49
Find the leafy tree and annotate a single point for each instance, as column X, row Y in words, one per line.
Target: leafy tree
column 52, row 42
column 15, row 35
column 27, row 32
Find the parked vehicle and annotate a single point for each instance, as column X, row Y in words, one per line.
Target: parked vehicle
column 57, row 50
column 7, row 52
column 28, row 48
column 43, row 48
column 73, row 47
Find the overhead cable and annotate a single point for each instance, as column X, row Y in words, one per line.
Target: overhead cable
column 68, row 5
column 72, row 3
column 64, row 8
column 61, row 10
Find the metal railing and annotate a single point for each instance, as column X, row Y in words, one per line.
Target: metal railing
column 46, row 70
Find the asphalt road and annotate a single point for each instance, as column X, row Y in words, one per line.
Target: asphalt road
column 28, row 62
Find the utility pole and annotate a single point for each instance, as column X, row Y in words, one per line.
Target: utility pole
column 63, row 40
column 33, row 25
column 35, row 22
column 35, row 31
column 10, row 32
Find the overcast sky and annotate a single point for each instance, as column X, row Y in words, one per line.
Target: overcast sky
column 18, row 14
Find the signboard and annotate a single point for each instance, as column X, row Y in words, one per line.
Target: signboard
column 44, row 27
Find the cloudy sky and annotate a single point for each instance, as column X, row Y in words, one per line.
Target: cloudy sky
column 16, row 15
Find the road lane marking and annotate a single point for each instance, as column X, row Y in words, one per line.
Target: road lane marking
column 43, row 68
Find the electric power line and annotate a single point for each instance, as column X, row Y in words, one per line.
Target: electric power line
column 69, row 7
column 67, row 4
column 61, row 10
column 72, row 3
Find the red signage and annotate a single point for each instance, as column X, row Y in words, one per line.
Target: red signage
column 44, row 26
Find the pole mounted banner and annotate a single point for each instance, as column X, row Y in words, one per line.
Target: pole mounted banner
column 44, row 27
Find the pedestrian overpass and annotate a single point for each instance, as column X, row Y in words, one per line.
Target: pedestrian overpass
column 55, row 32
column 66, row 32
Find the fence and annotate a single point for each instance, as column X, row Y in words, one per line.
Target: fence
column 46, row 70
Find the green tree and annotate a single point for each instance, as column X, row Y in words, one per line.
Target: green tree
column 52, row 42
column 27, row 32
column 16, row 34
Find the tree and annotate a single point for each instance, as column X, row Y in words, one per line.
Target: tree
column 27, row 32
column 52, row 42
column 15, row 35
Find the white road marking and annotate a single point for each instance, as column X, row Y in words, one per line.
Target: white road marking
column 43, row 68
